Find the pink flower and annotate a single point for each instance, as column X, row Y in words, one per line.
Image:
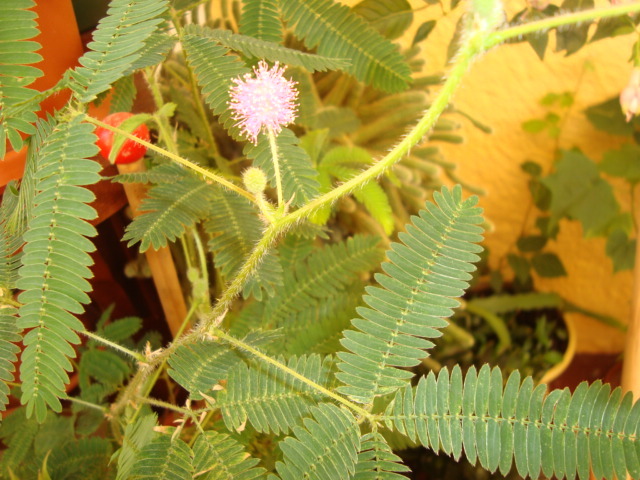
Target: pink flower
column 266, row 102
column 630, row 96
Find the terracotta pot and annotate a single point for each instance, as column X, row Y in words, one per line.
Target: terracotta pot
column 61, row 48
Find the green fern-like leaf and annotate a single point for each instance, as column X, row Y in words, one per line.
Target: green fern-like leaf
column 423, row 277
column 299, row 183
column 294, row 249
column 105, row 366
column 86, row 458
column 337, row 32
column 318, row 329
column 9, row 336
column 164, row 457
column 557, row 434
column 344, row 163
column 198, row 367
column 156, row 48
column 260, row 19
column 167, row 173
column 9, row 256
column 269, row 399
column 17, row 102
column 137, row 435
column 17, row 434
column 169, row 209
column 214, row 67
column 117, row 43
column 267, row 50
column 220, row 457
column 124, row 93
column 376, row 461
column 235, row 229
column 55, row 260
column 326, row 447
column 321, row 276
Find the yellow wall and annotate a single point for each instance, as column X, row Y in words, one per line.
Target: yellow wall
column 503, row 90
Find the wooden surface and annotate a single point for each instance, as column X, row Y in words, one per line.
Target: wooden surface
column 163, row 270
column 631, row 365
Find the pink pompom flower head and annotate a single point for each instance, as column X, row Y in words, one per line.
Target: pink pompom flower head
column 264, row 103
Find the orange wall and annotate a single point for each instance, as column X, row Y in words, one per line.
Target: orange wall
column 503, row 90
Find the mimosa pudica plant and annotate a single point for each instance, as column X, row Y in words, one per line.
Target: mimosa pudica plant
column 294, row 361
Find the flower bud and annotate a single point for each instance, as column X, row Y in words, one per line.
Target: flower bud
column 630, row 96
column 488, row 14
column 255, row 180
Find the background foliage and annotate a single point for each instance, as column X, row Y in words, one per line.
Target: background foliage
column 302, row 353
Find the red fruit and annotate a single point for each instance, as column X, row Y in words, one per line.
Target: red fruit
column 130, row 151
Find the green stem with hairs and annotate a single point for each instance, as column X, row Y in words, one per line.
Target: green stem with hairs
column 84, row 403
column 474, row 43
column 281, row 366
column 235, row 287
column 276, row 165
column 467, row 53
column 469, row 50
column 500, row 36
column 176, row 158
column 93, row 336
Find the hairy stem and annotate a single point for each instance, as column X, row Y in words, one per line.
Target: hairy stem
column 266, row 358
column 276, row 165
column 135, row 355
column 84, row 403
column 176, row 158
column 500, row 36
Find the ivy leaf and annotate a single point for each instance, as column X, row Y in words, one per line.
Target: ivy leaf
column 423, row 31
column 547, row 227
column 573, row 37
column 520, row 267
column 622, row 250
column 623, row 163
column 607, row 116
column 531, row 243
column 578, row 192
column 548, row 265
column 612, row 27
column 534, row 126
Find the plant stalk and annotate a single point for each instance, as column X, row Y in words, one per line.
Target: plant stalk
column 176, row 158
column 135, row 355
column 500, row 36
column 276, row 165
column 266, row 358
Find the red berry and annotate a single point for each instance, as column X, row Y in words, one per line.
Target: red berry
column 130, row 151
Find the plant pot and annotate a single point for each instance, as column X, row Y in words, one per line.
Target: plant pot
column 61, row 48
column 557, row 370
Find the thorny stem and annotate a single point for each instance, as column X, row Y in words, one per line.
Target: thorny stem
column 266, row 358
column 135, row 355
column 169, row 406
column 473, row 45
column 470, row 49
column 160, row 362
column 276, row 165
column 500, row 36
column 86, row 404
column 176, row 158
